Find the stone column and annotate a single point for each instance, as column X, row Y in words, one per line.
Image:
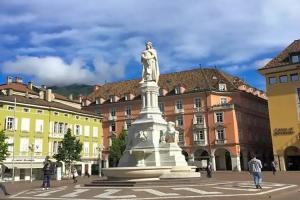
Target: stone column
column 235, row 163
column 213, row 160
column 90, row 168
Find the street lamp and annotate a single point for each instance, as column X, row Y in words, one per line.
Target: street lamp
column 100, row 149
column 31, row 149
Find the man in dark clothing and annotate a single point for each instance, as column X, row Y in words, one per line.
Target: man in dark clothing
column 4, row 189
column 47, row 173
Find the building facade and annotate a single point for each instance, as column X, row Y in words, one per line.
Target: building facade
column 35, row 126
column 218, row 116
column 283, row 89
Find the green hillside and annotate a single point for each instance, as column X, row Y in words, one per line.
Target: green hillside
column 75, row 89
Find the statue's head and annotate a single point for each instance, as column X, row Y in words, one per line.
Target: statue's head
column 171, row 125
column 148, row 45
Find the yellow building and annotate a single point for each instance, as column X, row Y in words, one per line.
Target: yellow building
column 283, row 91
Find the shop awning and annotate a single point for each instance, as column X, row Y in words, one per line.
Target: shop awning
column 24, row 165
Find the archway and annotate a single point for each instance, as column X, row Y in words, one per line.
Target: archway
column 223, row 159
column 292, row 158
column 201, row 158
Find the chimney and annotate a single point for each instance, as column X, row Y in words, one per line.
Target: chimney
column 41, row 94
column 10, row 92
column 49, row 95
column 71, row 97
column 43, row 87
column 9, row 79
column 80, row 98
column 29, row 86
column 27, row 94
column 19, row 79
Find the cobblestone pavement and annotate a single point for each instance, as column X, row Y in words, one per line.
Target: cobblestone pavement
column 223, row 186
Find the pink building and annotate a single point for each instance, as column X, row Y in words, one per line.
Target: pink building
column 218, row 116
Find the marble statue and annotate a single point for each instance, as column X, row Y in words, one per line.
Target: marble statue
column 150, row 64
column 171, row 134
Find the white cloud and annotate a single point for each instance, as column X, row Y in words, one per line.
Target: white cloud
column 54, row 71
column 230, row 33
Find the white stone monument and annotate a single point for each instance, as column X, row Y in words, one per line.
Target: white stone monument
column 152, row 149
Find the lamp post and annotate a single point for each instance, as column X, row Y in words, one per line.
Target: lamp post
column 31, row 149
column 100, row 149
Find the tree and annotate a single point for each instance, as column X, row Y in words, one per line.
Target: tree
column 117, row 148
column 69, row 151
column 3, row 146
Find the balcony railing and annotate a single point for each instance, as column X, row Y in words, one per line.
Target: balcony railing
column 56, row 135
column 199, row 126
column 224, row 106
column 200, row 142
column 219, row 141
column 179, row 111
column 112, row 118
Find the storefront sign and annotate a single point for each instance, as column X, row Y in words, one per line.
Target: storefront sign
column 283, row 131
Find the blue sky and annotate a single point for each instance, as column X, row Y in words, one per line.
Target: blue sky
column 73, row 41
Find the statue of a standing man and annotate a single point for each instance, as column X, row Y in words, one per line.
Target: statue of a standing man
column 150, row 64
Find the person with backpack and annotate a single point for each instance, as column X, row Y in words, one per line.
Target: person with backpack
column 48, row 171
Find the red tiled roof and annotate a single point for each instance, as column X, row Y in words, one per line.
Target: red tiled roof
column 283, row 57
column 19, row 87
column 195, row 79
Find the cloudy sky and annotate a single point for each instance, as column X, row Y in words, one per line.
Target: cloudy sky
column 92, row 41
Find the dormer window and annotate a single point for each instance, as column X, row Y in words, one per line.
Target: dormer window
column 111, row 99
column 295, row 58
column 97, row 100
column 222, row 87
column 177, row 90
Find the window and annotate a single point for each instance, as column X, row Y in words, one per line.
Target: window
column 128, row 111
column 113, row 112
column 199, row 119
column 86, row 131
column 61, row 128
column 10, row 108
column 181, row 137
column 77, row 117
column 220, row 134
column 272, row 80
column 197, row 103
column 66, row 115
column 77, row 129
column 223, row 100
column 294, row 77
column 295, row 58
column 161, row 107
column 10, row 142
column 39, row 125
column 95, row 131
column 38, row 145
column 179, row 120
column 283, row 79
column 113, row 127
column 179, row 104
column 39, row 111
column 222, row 87
column 56, row 113
column 199, row 135
column 128, row 123
column 86, row 148
column 25, row 124
column 219, row 117
column 177, row 90
column 10, row 123
column 24, row 144
column 26, row 110
column 95, row 148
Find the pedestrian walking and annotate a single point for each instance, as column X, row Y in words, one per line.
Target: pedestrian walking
column 2, row 187
column 47, row 173
column 274, row 167
column 209, row 169
column 74, row 174
column 255, row 166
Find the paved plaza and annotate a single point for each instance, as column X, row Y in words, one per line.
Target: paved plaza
column 224, row 185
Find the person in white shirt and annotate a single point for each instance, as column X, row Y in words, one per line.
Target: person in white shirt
column 254, row 166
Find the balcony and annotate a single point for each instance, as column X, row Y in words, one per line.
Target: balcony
column 199, row 110
column 219, row 141
column 200, row 142
column 179, row 111
column 112, row 118
column 199, row 126
column 225, row 106
column 127, row 116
